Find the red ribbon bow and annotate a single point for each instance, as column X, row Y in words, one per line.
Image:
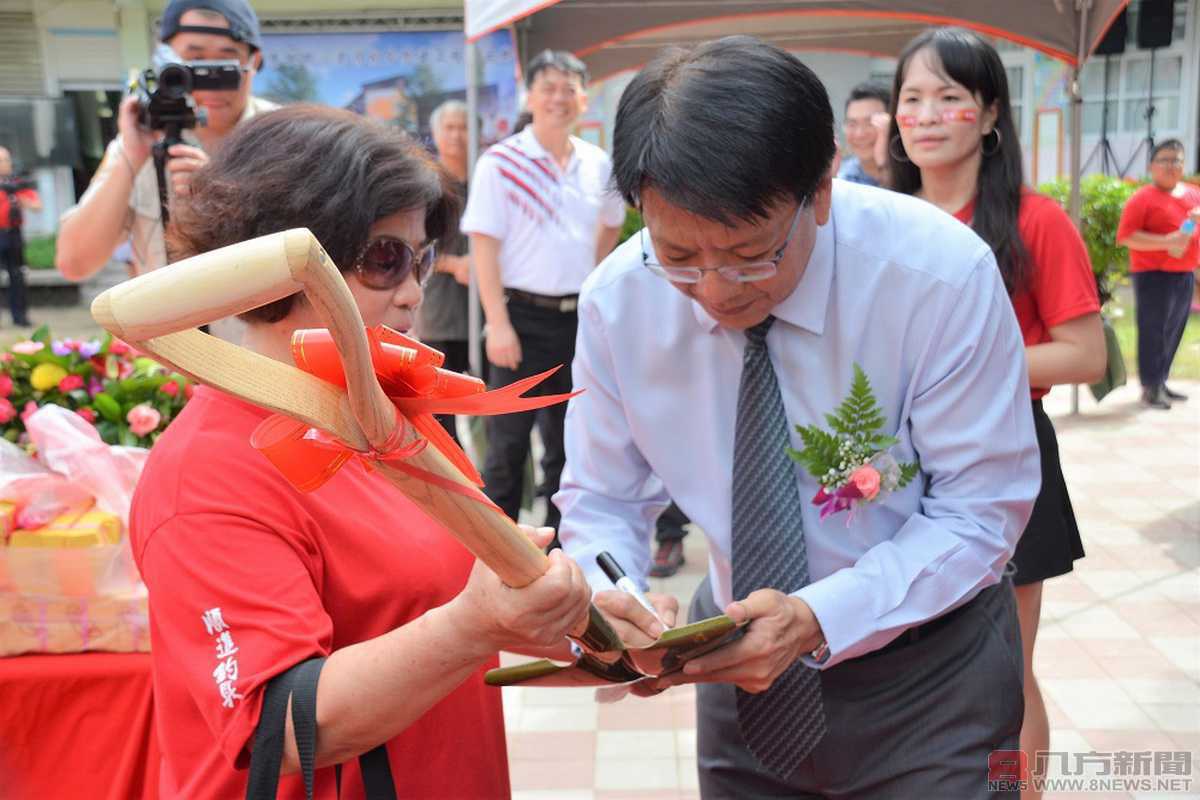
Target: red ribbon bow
column 411, row 376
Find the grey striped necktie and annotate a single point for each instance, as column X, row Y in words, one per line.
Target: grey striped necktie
column 783, row 724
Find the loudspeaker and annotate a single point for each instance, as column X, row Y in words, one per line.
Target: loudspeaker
column 1156, row 22
column 1113, row 43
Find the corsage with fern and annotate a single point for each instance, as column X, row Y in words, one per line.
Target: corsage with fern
column 850, row 461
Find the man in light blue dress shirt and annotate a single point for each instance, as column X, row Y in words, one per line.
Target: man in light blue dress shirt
column 907, row 614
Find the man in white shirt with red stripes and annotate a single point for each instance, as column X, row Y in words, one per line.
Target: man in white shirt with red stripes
column 540, row 214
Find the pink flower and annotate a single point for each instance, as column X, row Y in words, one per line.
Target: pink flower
column 30, row 408
column 866, row 480
column 6, row 386
column 143, row 419
column 95, row 387
column 118, row 348
column 70, row 383
column 87, row 413
column 188, row 390
column 7, row 411
column 169, row 388
column 28, row 347
column 6, row 357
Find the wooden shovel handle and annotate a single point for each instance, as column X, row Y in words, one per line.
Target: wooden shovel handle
column 156, row 311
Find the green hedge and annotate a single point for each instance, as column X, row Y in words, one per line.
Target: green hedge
column 633, row 223
column 39, row 252
column 1103, row 199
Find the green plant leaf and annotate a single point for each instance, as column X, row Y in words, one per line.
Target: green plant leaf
column 127, row 437
column 108, row 407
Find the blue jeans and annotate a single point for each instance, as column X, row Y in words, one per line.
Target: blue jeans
column 1164, row 300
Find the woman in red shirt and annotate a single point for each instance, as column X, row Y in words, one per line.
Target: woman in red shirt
column 249, row 577
column 952, row 142
column 1163, row 255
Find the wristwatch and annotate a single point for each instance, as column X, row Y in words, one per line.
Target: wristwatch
column 820, row 653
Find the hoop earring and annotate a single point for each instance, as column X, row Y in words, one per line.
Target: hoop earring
column 994, row 150
column 903, row 157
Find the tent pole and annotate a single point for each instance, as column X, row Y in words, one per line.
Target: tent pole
column 1076, row 204
column 474, row 315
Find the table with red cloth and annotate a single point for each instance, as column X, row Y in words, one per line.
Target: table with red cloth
column 77, row 726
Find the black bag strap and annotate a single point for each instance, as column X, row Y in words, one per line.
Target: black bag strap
column 300, row 684
column 377, row 775
column 304, row 718
column 267, row 755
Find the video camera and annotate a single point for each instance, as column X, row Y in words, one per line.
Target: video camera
column 164, row 91
column 11, row 184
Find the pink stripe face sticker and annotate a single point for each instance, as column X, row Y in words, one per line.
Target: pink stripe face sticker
column 948, row 115
column 960, row 115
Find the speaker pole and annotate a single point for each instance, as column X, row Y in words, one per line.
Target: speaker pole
column 1148, row 142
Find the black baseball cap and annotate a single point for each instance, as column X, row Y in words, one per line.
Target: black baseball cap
column 243, row 22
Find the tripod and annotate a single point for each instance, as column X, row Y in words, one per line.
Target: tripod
column 1103, row 148
column 1148, row 142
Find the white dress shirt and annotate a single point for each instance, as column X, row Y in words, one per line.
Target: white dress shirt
column 897, row 286
column 546, row 218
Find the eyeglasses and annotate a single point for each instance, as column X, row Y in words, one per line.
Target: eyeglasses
column 1168, row 162
column 386, row 262
column 742, row 273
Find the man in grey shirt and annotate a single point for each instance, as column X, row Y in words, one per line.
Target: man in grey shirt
column 442, row 316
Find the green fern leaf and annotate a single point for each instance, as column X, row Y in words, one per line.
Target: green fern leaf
column 820, row 451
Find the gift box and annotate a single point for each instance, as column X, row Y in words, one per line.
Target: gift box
column 86, row 529
column 117, row 624
column 8, row 520
column 68, row 582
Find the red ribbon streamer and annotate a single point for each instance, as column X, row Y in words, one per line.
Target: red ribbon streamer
column 411, row 376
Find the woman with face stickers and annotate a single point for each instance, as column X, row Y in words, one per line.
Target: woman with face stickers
column 953, row 143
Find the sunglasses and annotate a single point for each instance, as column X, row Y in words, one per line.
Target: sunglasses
column 387, row 262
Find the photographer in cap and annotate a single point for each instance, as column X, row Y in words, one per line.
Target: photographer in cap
column 122, row 200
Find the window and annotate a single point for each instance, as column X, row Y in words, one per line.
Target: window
column 1016, row 94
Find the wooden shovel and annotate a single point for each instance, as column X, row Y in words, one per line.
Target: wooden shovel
column 159, row 311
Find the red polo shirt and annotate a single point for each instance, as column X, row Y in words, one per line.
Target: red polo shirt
column 1152, row 210
column 5, row 207
column 1061, row 285
column 249, row 577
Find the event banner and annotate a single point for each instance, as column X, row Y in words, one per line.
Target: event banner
column 396, row 77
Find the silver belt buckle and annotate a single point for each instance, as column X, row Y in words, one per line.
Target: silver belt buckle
column 568, row 304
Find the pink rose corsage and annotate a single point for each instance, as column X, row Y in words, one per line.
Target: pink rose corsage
column 851, row 462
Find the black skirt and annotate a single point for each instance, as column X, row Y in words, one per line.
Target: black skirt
column 1051, row 542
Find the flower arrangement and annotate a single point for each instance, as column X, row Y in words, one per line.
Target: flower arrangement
column 851, row 461
column 128, row 397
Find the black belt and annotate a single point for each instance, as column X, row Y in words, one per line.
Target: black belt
column 566, row 303
column 924, row 630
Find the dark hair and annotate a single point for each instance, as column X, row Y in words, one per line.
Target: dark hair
column 869, row 90
column 560, row 60
column 966, row 58
column 328, row 170
column 523, row 120
column 1167, row 144
column 724, row 130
